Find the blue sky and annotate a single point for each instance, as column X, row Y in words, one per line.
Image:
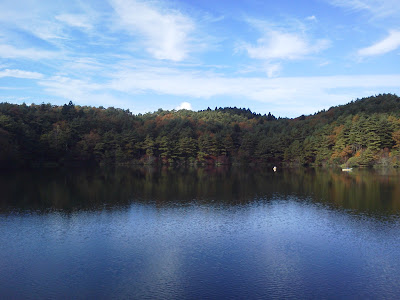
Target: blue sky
column 285, row 57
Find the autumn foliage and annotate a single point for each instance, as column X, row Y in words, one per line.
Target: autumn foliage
column 364, row 132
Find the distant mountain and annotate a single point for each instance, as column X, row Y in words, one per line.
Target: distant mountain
column 365, row 132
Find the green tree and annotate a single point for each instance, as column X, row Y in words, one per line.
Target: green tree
column 149, row 146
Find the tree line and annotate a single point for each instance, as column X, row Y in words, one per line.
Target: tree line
column 362, row 133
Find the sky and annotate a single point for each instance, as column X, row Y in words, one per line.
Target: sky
column 285, row 57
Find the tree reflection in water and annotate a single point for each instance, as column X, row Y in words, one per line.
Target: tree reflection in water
column 359, row 192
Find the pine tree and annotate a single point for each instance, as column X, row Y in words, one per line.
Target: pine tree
column 149, row 145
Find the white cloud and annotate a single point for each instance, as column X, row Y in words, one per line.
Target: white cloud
column 69, row 88
column 378, row 8
column 166, row 33
column 286, row 96
column 8, row 51
column 392, row 42
column 298, row 90
column 10, row 88
column 92, row 69
column 75, row 20
column 48, row 20
column 281, row 45
column 82, row 91
column 273, row 69
column 184, row 105
column 32, row 17
column 283, row 41
column 324, row 63
column 20, row 74
column 353, row 4
column 85, row 65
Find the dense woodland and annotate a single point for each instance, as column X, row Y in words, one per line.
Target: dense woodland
column 362, row 133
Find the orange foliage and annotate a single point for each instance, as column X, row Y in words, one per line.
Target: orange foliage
column 163, row 120
column 396, row 138
column 91, row 138
column 346, row 151
column 393, row 120
column 245, row 125
column 253, row 122
column 335, row 155
column 337, row 130
column 201, row 123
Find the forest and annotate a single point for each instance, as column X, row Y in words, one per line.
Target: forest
column 362, row 133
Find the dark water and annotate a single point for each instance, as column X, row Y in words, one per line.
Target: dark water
column 195, row 234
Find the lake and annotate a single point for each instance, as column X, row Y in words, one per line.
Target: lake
column 213, row 233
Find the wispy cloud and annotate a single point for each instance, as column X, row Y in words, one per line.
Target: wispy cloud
column 48, row 20
column 273, row 70
column 75, row 20
column 354, row 4
column 20, row 74
column 324, row 63
column 312, row 18
column 9, row 51
column 68, row 88
column 115, row 52
column 388, row 44
column 281, row 45
column 31, row 17
column 7, row 88
column 378, row 8
column 83, row 91
column 166, row 32
column 286, row 41
column 293, row 91
column 288, row 96
column 86, row 65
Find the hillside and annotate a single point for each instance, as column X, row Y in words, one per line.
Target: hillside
column 365, row 132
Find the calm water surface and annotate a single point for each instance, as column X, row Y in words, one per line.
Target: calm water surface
column 218, row 233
